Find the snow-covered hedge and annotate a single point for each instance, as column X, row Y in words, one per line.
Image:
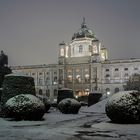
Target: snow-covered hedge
column 69, row 106
column 46, row 102
column 4, row 71
column 124, row 107
column 15, row 84
column 24, row 107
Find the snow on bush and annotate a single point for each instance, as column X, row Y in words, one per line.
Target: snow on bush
column 15, row 84
column 46, row 102
column 69, row 106
column 24, row 107
column 124, row 107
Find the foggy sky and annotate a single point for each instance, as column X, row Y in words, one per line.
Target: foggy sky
column 30, row 30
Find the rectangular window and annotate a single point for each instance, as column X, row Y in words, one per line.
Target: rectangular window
column 107, row 70
column 116, row 69
column 107, row 75
column 135, row 68
column 125, row 69
column 80, row 49
column 40, row 73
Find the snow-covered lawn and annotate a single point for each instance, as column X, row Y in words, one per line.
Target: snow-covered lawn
column 90, row 124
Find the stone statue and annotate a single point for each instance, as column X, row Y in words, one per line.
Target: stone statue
column 3, row 59
column 4, row 69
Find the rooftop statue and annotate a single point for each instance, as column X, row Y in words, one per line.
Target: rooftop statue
column 3, row 59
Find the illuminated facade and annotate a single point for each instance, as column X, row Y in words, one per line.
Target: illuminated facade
column 83, row 66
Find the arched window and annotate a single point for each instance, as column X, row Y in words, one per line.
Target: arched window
column 40, row 81
column 107, row 89
column 55, row 79
column 40, row 92
column 86, row 77
column 69, row 78
column 116, row 90
column 48, row 93
column 78, row 78
column 55, row 92
column 47, row 80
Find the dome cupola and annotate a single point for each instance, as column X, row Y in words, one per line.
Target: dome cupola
column 83, row 32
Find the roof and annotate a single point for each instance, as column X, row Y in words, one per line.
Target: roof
column 83, row 32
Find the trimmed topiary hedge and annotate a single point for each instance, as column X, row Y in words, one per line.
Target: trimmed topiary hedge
column 93, row 98
column 24, row 107
column 124, row 107
column 15, row 84
column 64, row 93
column 47, row 103
column 69, row 106
column 4, row 71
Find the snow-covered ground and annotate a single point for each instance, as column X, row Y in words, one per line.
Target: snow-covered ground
column 90, row 124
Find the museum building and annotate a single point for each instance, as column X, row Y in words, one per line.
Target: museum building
column 83, row 66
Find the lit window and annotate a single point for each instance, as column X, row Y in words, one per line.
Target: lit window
column 77, row 70
column 87, row 78
column 67, row 48
column 86, row 70
column 62, row 52
column 78, row 78
column 69, row 78
column 69, row 71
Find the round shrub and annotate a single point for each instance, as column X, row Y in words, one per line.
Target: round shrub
column 69, row 106
column 64, row 93
column 15, row 84
column 46, row 102
column 124, row 107
column 24, row 107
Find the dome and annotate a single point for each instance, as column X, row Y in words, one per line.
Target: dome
column 83, row 32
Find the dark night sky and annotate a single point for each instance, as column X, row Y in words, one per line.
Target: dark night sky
column 30, row 30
